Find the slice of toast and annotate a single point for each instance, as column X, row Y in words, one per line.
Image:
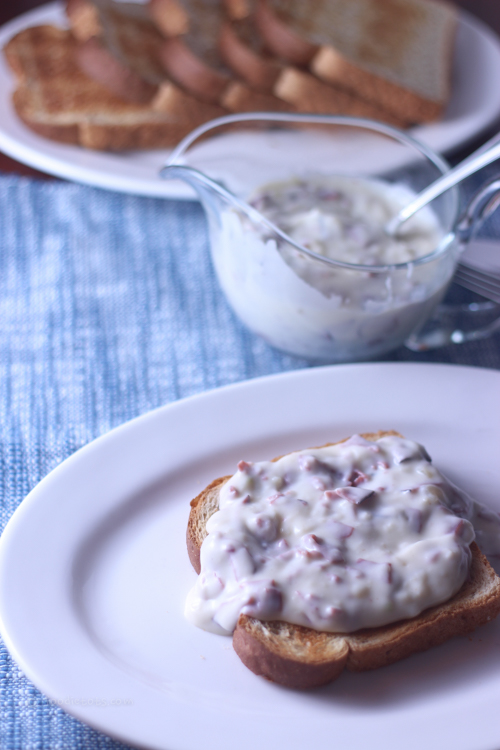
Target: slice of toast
column 299, row 657
column 394, row 53
column 83, row 18
column 238, row 97
column 191, row 57
column 244, row 50
column 302, row 658
column 308, row 94
column 132, row 37
column 118, row 47
column 57, row 100
column 96, row 61
column 125, row 57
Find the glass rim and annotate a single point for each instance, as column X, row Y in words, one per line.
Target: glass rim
column 171, row 166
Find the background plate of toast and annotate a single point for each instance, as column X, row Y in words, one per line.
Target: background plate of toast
column 94, row 571
column 474, row 106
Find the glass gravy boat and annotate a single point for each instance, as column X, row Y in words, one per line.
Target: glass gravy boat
column 301, row 302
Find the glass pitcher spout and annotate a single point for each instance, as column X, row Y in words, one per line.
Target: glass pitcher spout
column 210, row 192
column 197, row 180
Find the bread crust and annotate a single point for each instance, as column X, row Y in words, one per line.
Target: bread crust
column 238, row 97
column 62, row 133
column 84, row 19
column 271, row 656
column 170, row 17
column 96, row 61
column 191, row 71
column 298, row 657
column 189, row 53
column 237, row 9
column 281, row 38
column 308, row 94
column 57, row 100
column 332, row 68
column 258, row 69
column 203, row 507
column 122, row 52
column 377, row 72
column 477, row 602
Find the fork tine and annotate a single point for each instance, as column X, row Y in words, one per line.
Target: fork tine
column 488, row 281
column 479, row 282
column 478, row 278
column 482, row 278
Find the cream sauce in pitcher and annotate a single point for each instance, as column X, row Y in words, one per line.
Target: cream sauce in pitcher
column 325, row 311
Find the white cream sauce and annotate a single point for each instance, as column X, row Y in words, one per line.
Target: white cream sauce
column 343, row 218
column 353, row 535
column 321, row 311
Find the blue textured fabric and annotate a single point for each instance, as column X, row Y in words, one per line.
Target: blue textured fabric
column 108, row 308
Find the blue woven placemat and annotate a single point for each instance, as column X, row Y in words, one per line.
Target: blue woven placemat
column 108, row 308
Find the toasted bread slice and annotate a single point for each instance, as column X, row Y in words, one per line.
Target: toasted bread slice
column 238, row 9
column 96, row 61
column 191, row 57
column 394, row 54
column 302, row 658
column 83, row 18
column 244, row 51
column 308, row 94
column 194, row 59
column 133, row 38
column 122, row 53
column 201, row 72
column 238, row 97
column 57, row 100
column 299, row 657
column 278, row 32
column 171, row 17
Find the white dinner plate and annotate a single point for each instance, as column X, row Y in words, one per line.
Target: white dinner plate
column 474, row 106
column 94, row 571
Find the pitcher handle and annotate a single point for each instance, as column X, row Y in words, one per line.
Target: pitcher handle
column 457, row 324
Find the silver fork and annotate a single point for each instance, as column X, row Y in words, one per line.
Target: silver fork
column 485, row 284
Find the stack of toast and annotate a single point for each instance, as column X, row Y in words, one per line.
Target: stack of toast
column 127, row 75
